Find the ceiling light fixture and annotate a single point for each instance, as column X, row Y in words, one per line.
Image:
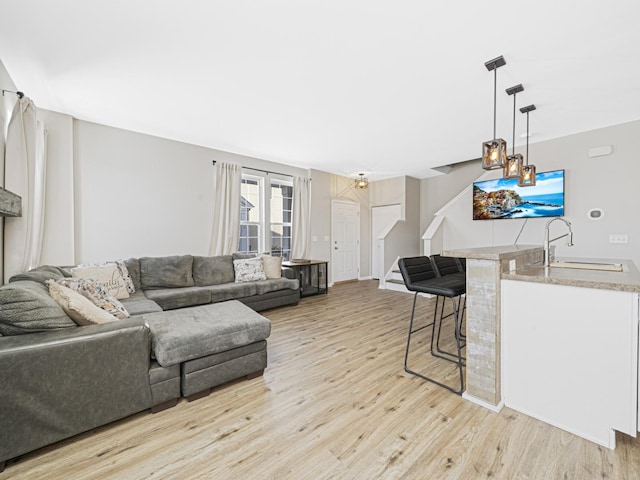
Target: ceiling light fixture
column 362, row 182
column 528, row 178
column 513, row 169
column 494, row 152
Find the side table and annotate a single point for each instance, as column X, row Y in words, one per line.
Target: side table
column 312, row 275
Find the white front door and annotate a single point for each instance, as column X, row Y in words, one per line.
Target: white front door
column 345, row 241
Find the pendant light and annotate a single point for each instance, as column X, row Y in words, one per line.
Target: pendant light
column 528, row 178
column 362, row 182
column 513, row 168
column 494, row 152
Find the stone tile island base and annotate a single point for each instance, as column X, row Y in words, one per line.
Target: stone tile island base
column 484, row 268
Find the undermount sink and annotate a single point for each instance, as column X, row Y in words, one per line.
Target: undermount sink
column 611, row 267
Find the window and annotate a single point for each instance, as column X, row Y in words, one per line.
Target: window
column 281, row 200
column 251, row 215
column 265, row 210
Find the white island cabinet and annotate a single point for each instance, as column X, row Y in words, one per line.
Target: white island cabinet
column 570, row 357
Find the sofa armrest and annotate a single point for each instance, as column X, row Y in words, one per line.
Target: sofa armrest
column 289, row 273
column 57, row 384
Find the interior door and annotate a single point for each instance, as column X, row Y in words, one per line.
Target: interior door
column 381, row 219
column 345, row 241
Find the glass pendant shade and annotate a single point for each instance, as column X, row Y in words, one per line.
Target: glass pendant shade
column 528, row 178
column 494, row 154
column 513, row 169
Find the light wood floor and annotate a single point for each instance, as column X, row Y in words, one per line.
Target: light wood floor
column 333, row 403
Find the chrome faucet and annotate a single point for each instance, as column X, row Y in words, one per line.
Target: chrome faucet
column 547, row 242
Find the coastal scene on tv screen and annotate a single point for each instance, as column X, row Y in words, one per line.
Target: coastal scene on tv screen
column 503, row 198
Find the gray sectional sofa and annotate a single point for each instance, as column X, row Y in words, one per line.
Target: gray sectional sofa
column 190, row 329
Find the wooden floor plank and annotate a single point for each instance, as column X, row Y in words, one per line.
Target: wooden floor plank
column 334, row 403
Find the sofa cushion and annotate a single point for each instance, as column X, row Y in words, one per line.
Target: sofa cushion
column 26, row 307
column 138, row 304
column 166, row 272
column 172, row 298
column 242, row 256
column 110, row 275
column 95, row 292
column 230, row 291
column 213, row 270
column 79, row 308
column 249, row 269
column 181, row 335
column 41, row 274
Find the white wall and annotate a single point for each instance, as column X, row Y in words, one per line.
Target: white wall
column 139, row 195
column 606, row 182
column 435, row 192
column 404, row 238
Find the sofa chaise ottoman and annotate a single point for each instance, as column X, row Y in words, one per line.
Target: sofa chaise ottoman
column 214, row 344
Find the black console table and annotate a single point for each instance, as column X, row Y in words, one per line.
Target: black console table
column 312, row 275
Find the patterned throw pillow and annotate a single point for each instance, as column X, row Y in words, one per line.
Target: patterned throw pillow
column 249, row 270
column 79, row 308
column 97, row 294
column 122, row 268
column 108, row 275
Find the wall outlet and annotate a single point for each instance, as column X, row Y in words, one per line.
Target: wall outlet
column 618, row 238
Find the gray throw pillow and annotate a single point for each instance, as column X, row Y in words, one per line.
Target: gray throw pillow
column 41, row 274
column 26, row 307
column 213, row 270
column 166, row 272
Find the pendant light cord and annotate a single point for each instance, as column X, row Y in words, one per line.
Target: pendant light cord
column 495, row 94
column 527, row 138
column 513, row 136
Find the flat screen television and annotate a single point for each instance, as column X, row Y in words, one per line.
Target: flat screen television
column 500, row 198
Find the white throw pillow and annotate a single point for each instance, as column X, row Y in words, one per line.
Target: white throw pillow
column 109, row 275
column 272, row 266
column 249, row 269
column 79, row 308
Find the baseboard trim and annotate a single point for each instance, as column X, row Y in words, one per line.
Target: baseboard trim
column 482, row 403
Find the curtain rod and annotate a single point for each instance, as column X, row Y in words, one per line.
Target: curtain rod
column 265, row 171
column 18, row 93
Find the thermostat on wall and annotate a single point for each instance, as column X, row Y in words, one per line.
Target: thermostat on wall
column 595, row 214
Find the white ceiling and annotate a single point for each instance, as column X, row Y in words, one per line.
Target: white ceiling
column 389, row 88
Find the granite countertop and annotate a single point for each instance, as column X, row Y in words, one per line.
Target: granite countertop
column 500, row 252
column 626, row 281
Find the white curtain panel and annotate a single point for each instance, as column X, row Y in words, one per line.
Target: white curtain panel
column 25, row 175
column 301, row 222
column 226, row 218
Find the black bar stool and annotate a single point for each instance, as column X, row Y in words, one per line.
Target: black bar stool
column 452, row 268
column 420, row 276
